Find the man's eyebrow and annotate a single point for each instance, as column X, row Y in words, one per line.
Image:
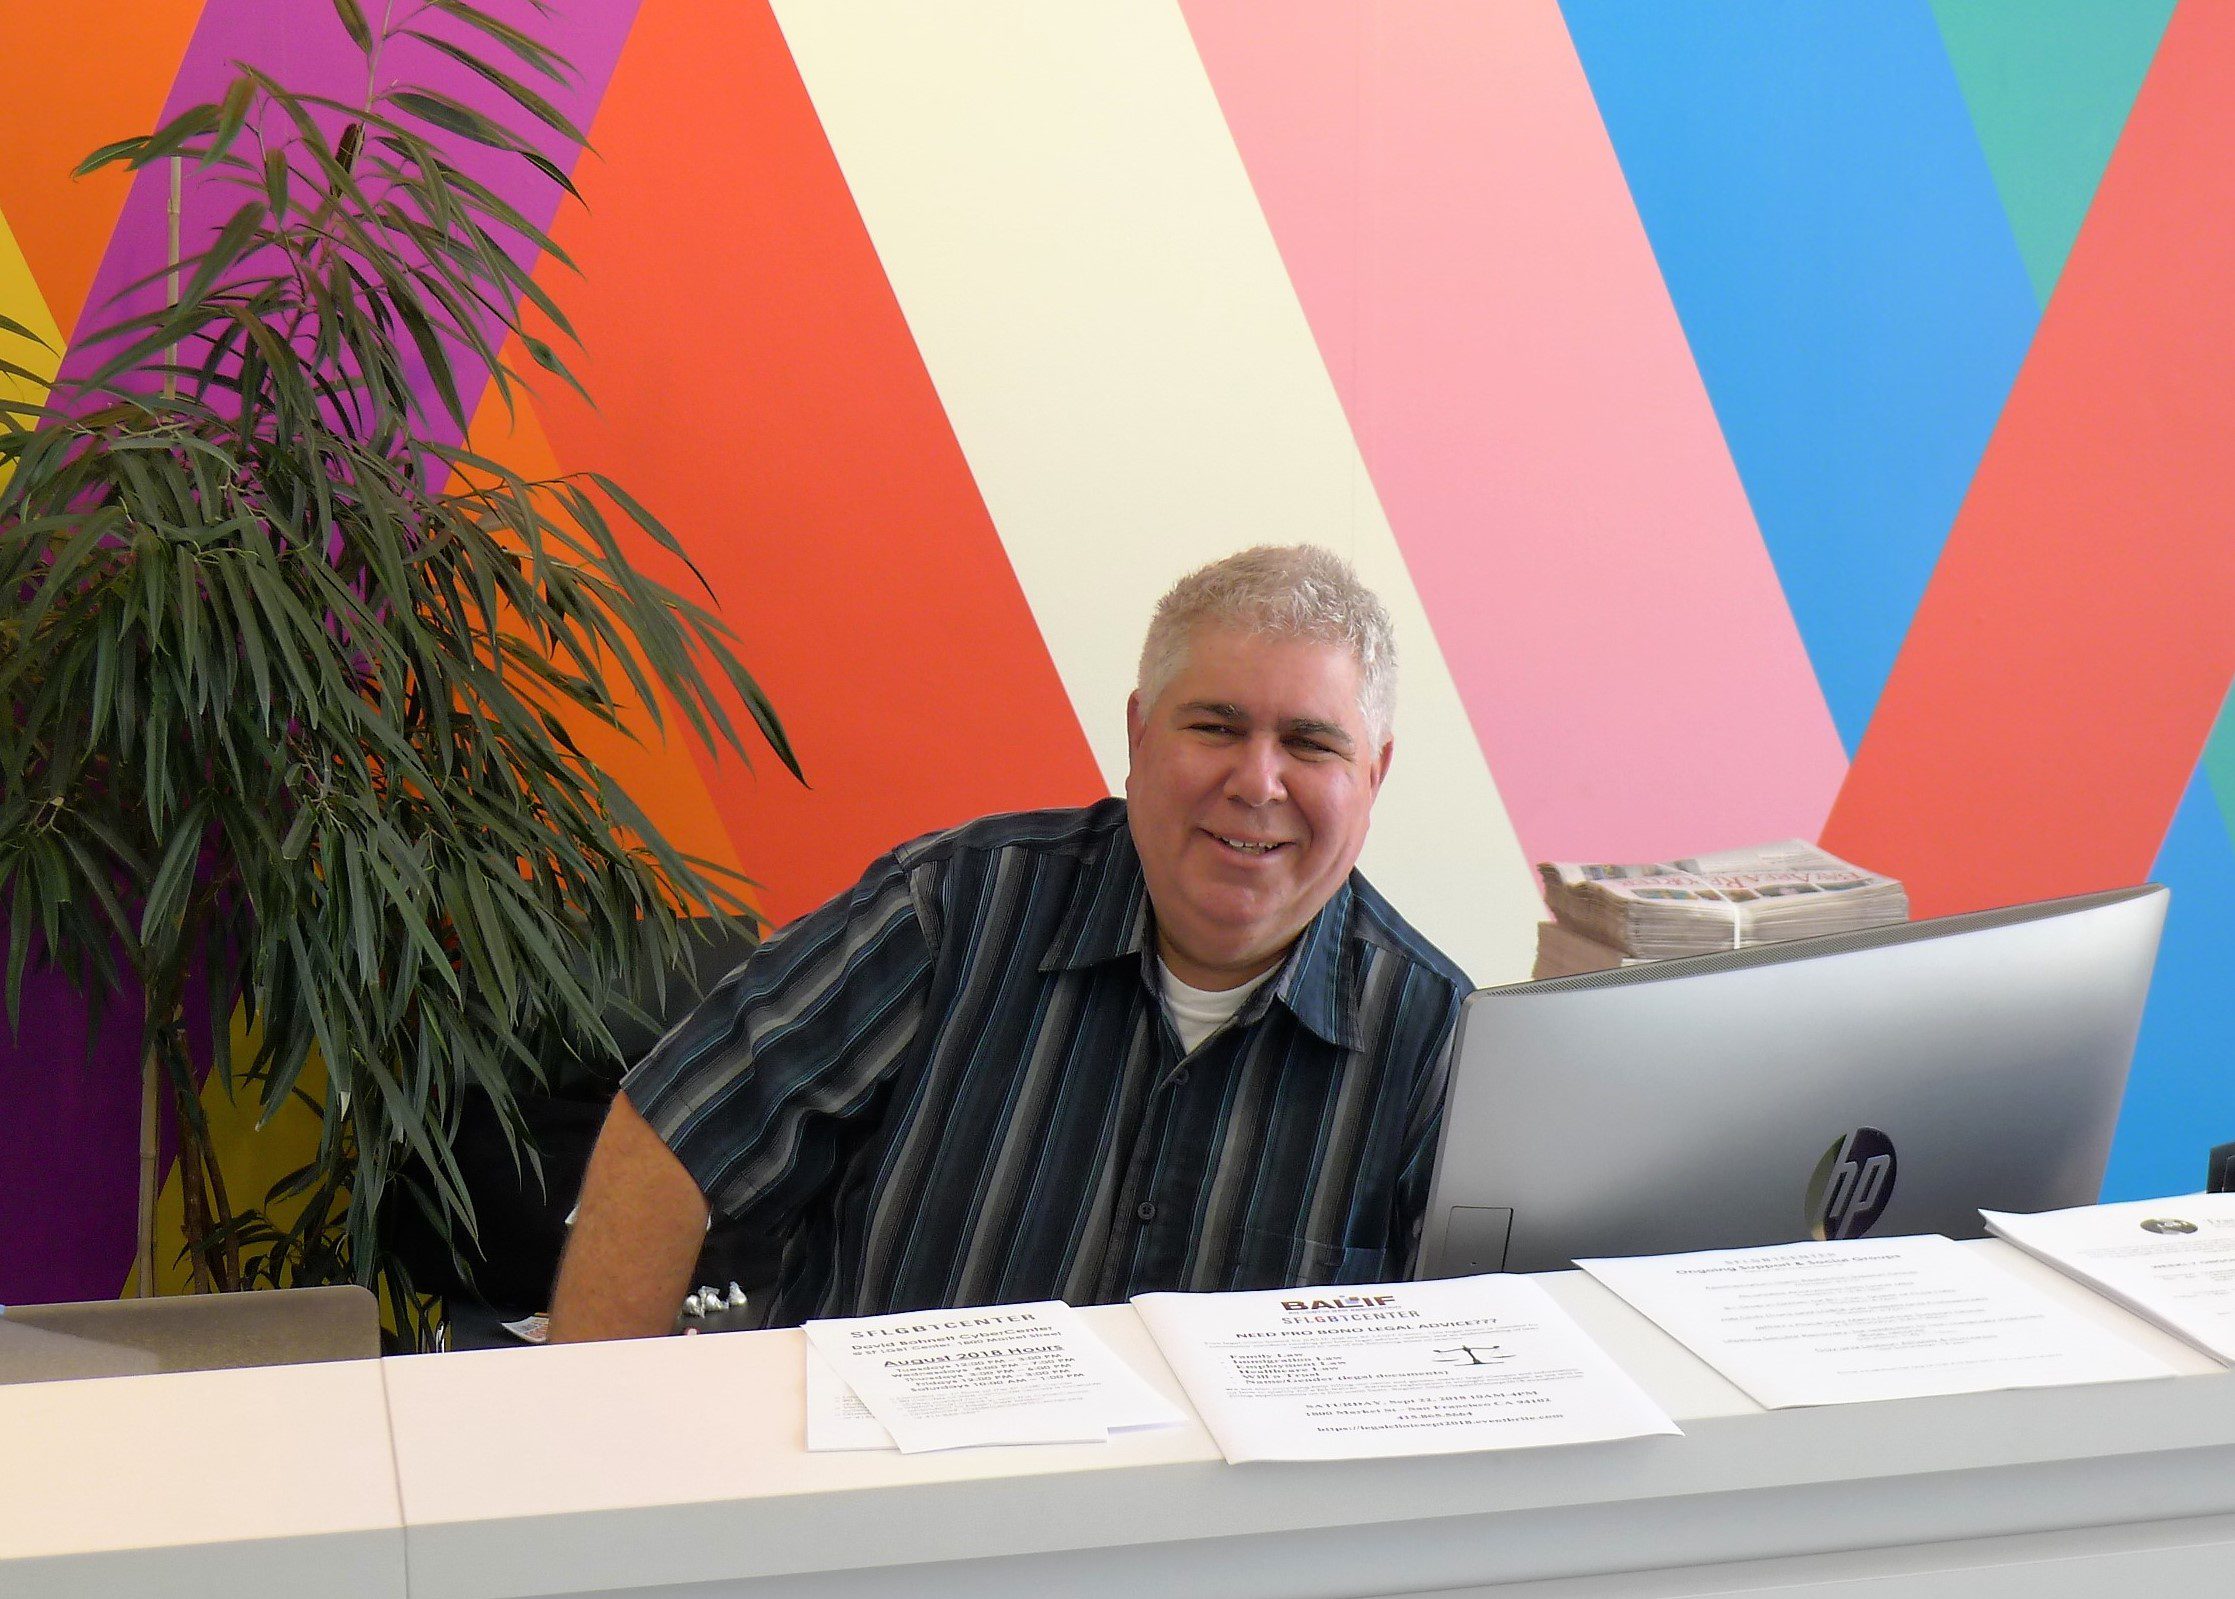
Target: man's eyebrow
column 1326, row 732
column 1333, row 733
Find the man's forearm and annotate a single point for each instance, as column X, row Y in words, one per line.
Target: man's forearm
column 639, row 1230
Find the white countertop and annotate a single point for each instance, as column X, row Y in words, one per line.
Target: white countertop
column 634, row 1466
column 681, row 1460
column 178, row 1485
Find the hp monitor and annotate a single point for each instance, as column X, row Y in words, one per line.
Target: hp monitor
column 1889, row 1081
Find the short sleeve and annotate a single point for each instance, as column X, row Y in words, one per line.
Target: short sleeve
column 753, row 1091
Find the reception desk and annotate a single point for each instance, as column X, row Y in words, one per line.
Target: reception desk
column 675, row 1467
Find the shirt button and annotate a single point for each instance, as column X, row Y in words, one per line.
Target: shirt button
column 1179, row 1077
column 1146, row 1210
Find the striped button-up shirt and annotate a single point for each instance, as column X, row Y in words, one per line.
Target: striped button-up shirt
column 956, row 1084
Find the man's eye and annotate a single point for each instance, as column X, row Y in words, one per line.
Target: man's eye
column 1223, row 729
column 1310, row 746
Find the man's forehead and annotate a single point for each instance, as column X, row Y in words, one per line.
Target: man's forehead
column 1268, row 678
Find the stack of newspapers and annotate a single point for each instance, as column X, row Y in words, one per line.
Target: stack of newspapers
column 1606, row 915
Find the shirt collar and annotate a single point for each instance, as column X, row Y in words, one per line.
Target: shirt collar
column 1108, row 917
column 1314, row 983
column 1109, row 911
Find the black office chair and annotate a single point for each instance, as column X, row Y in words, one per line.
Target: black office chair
column 521, row 1219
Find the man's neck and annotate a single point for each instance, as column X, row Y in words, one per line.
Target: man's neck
column 1215, row 978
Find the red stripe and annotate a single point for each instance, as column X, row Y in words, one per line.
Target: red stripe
column 758, row 388
column 2065, row 667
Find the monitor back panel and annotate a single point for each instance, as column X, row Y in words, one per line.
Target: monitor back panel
column 1904, row 1076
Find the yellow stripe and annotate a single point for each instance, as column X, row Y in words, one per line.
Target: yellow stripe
column 20, row 299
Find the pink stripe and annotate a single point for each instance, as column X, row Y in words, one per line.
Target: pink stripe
column 1458, row 230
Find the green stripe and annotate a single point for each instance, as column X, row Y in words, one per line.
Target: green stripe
column 2219, row 762
column 2049, row 83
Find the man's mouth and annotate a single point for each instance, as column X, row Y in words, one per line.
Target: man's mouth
column 1250, row 846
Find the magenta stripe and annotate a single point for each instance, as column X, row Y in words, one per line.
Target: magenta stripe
column 304, row 47
column 1456, row 225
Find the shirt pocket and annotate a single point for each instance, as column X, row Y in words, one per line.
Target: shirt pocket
column 1265, row 1259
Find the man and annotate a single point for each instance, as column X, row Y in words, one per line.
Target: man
column 1168, row 1042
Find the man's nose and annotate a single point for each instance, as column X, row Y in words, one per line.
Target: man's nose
column 1256, row 776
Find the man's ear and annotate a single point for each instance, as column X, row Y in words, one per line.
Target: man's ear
column 1135, row 723
column 1381, row 765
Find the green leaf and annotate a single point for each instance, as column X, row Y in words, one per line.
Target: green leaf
column 548, row 358
column 9, row 324
column 278, row 174
column 232, row 115
column 353, row 22
column 538, row 56
column 530, row 101
column 190, row 615
column 551, row 169
column 96, row 876
column 247, row 633
column 166, row 894
column 455, row 117
column 192, row 123
column 126, row 150
column 22, row 916
column 431, row 352
column 54, row 583
column 239, row 231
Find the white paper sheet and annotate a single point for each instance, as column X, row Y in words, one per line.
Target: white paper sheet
column 836, row 1417
column 1861, row 1319
column 2171, row 1260
column 1420, row 1368
column 1008, row 1374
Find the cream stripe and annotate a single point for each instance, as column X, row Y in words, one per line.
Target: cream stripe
column 1070, row 233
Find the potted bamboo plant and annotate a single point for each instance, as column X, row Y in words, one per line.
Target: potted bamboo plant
column 287, row 668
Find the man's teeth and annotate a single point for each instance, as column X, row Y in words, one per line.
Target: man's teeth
column 1260, row 847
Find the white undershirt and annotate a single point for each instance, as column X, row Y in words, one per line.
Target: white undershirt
column 1199, row 1012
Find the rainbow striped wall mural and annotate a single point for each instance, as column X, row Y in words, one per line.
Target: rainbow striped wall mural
column 1763, row 421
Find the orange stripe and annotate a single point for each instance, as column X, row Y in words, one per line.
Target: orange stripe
column 2064, row 670
column 71, row 80
column 758, row 388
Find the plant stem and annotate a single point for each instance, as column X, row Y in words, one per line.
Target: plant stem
column 147, row 1171
column 226, row 1264
column 193, row 1162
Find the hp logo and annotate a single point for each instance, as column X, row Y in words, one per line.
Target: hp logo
column 1852, row 1184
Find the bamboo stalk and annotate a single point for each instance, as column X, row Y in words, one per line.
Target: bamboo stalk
column 149, row 1088
column 170, row 353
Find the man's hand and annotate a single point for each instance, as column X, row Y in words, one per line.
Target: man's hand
column 636, row 1237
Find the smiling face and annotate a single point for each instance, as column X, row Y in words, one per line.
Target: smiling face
column 1252, row 779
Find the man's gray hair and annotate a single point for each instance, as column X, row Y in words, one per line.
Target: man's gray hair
column 1291, row 591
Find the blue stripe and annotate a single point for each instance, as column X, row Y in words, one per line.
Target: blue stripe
column 2180, row 1099
column 1836, row 249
